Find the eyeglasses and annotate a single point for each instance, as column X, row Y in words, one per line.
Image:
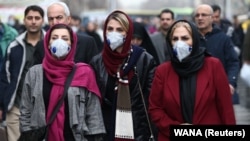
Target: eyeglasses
column 202, row 15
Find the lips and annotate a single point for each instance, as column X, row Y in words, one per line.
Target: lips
column 200, row 22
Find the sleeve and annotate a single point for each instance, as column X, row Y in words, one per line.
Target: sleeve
column 3, row 84
column 26, row 103
column 156, row 106
column 148, row 78
column 223, row 95
column 94, row 119
column 9, row 75
column 232, row 63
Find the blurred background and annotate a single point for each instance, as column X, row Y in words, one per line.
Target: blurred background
column 144, row 10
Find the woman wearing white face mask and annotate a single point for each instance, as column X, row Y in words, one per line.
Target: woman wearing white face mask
column 192, row 88
column 119, row 69
column 44, row 85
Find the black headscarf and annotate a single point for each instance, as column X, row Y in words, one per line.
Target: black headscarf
column 141, row 32
column 187, row 70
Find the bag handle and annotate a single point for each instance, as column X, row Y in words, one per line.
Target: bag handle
column 65, row 91
column 144, row 105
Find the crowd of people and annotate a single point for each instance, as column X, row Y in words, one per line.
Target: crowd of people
column 128, row 84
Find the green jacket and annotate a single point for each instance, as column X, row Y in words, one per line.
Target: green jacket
column 9, row 35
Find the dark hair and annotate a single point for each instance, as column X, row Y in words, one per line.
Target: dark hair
column 167, row 11
column 77, row 18
column 34, row 8
column 216, row 7
column 62, row 26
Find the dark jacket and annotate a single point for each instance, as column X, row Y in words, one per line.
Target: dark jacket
column 11, row 72
column 246, row 46
column 141, row 32
column 145, row 68
column 220, row 46
column 86, row 48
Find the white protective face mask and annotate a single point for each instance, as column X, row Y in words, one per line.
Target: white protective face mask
column 59, row 48
column 74, row 29
column 181, row 50
column 115, row 40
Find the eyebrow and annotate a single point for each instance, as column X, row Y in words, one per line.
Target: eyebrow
column 58, row 16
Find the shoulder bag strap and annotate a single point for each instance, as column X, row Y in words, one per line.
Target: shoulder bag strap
column 66, row 86
column 144, row 105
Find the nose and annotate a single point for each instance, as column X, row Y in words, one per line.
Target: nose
column 33, row 20
column 53, row 22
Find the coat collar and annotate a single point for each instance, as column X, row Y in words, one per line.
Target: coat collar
column 202, row 81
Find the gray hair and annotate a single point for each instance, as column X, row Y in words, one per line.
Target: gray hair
column 64, row 5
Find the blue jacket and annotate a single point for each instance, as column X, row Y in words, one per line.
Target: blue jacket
column 221, row 46
column 11, row 72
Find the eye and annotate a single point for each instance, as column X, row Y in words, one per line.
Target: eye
column 50, row 19
column 59, row 17
column 65, row 39
column 175, row 39
column 29, row 18
column 110, row 29
column 54, row 38
column 37, row 18
column 185, row 38
column 119, row 30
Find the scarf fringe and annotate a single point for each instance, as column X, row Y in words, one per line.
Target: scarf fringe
column 124, row 125
column 119, row 139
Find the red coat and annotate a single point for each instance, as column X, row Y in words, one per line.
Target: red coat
column 213, row 100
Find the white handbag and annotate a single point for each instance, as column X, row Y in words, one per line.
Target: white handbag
column 245, row 73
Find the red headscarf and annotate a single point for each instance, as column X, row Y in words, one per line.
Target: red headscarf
column 56, row 72
column 112, row 59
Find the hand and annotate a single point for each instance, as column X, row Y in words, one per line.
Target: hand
column 231, row 89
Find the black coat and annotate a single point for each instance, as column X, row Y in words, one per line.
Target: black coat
column 145, row 68
column 85, row 49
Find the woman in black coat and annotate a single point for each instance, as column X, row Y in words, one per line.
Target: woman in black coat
column 120, row 68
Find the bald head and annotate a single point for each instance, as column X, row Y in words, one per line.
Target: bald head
column 61, row 5
column 204, row 18
column 205, row 7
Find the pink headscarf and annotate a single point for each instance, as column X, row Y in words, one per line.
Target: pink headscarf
column 56, row 72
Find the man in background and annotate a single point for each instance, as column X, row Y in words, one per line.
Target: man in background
column 166, row 20
column 58, row 12
column 217, row 43
column 18, row 60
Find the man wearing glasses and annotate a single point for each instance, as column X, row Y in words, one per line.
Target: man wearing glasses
column 217, row 43
column 58, row 12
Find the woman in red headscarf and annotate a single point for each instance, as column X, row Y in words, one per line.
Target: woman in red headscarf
column 121, row 69
column 80, row 114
